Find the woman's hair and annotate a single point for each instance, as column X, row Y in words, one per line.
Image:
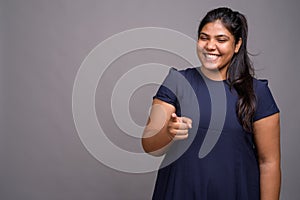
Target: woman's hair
column 240, row 72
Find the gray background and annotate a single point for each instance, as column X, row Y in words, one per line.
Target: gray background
column 44, row 42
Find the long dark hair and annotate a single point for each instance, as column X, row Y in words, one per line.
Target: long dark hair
column 240, row 72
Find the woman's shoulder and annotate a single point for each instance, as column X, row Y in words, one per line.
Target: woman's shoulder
column 188, row 71
column 260, row 84
column 178, row 76
column 266, row 104
column 261, row 88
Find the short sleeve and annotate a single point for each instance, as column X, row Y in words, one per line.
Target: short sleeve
column 167, row 91
column 265, row 103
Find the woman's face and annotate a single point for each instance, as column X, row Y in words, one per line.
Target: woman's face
column 216, row 47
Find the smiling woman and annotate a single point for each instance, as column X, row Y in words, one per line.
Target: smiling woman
column 216, row 47
column 225, row 37
column 245, row 162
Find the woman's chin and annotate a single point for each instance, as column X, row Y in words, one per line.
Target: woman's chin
column 210, row 67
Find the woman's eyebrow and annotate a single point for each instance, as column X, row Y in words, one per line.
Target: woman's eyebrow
column 217, row 36
column 201, row 33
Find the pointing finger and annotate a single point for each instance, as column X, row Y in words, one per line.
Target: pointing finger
column 187, row 121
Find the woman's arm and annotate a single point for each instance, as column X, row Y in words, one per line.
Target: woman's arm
column 163, row 128
column 267, row 139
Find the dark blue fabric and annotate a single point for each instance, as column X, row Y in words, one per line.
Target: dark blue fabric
column 230, row 171
column 265, row 101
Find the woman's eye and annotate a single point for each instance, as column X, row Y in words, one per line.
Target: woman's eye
column 203, row 38
column 222, row 40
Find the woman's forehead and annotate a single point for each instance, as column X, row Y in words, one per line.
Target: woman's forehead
column 215, row 28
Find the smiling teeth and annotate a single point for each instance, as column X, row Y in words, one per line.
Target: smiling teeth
column 211, row 56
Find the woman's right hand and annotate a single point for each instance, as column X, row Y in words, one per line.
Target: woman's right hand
column 163, row 127
column 178, row 127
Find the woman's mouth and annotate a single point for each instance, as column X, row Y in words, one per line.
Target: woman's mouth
column 211, row 57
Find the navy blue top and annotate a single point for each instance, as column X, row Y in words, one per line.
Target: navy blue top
column 229, row 169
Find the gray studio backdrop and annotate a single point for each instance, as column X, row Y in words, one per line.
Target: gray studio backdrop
column 43, row 44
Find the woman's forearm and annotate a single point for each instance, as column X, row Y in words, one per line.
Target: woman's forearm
column 156, row 142
column 270, row 181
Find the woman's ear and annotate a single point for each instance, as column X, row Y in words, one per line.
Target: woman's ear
column 238, row 45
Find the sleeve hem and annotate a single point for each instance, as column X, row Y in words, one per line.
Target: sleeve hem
column 166, row 100
column 265, row 115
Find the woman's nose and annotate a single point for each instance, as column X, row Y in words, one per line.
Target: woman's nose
column 210, row 45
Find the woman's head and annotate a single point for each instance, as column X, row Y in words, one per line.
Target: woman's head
column 216, row 48
column 222, row 47
column 222, row 32
column 233, row 21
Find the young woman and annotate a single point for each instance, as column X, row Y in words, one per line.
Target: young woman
column 244, row 163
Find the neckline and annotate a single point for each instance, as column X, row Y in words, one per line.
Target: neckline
column 207, row 78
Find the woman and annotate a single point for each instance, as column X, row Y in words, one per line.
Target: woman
column 245, row 161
